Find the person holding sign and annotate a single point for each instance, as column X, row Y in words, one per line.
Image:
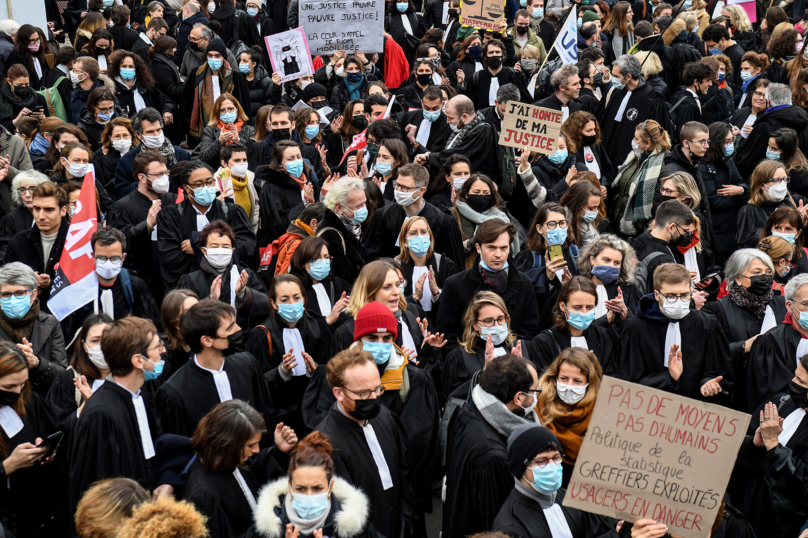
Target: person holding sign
column 483, row 86
column 654, row 352
column 533, row 509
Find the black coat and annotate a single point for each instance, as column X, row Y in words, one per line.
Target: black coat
column 125, row 38
column 26, row 247
column 468, row 65
column 752, row 219
column 439, row 131
column 459, row 365
column 49, row 347
column 477, row 87
column 280, row 200
column 340, row 96
column 752, row 150
column 33, row 78
column 771, row 361
column 153, row 98
column 260, row 89
column 687, row 110
column 166, row 76
column 105, row 165
column 548, row 345
column 92, row 129
column 346, row 251
column 394, row 27
column 479, row 145
column 21, row 219
column 724, row 209
column 460, row 289
column 599, row 155
column 231, row 18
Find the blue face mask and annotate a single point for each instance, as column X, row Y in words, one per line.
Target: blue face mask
column 803, row 321
column 722, row 77
column 687, row 4
column 228, row 117
column 432, row 116
column 158, row 369
column 729, row 149
column 312, row 131
column 580, row 320
column 291, row 312
column 773, row 155
column 746, row 75
column 127, row 74
column 617, row 84
column 419, row 245
column 589, row 216
column 108, row 3
column 558, row 157
column 605, row 273
column 310, row 507
column 788, row 237
column 538, row 13
column 16, row 307
column 402, row 6
column 105, row 117
column 252, row 12
column 713, row 52
column 498, row 333
column 205, row 195
column 320, row 269
column 244, row 69
column 295, row 168
column 547, row 479
column 580, row 22
column 384, row 168
column 215, row 64
column 557, row 236
column 353, row 78
column 360, row 215
column 485, row 266
column 381, row 351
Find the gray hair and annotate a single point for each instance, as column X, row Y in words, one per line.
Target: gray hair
column 740, row 260
column 207, row 33
column 594, row 248
column 508, row 92
column 339, row 192
column 461, row 104
column 561, row 76
column 778, row 94
column 18, row 274
column 794, row 284
column 630, row 65
column 147, row 114
column 192, row 8
column 9, row 27
column 31, row 177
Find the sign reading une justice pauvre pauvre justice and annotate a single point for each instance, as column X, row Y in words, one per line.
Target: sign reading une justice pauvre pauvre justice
column 530, row 127
column 653, row 454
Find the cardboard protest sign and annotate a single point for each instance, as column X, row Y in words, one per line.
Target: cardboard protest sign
column 530, row 127
column 351, row 26
column 652, row 454
column 482, row 14
column 289, row 54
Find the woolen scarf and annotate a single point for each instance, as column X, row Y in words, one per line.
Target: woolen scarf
column 495, row 413
column 225, row 127
column 745, row 299
column 641, row 191
column 10, row 100
column 241, row 193
column 353, row 89
column 203, row 96
column 306, row 526
column 478, row 218
column 17, row 329
column 167, row 151
column 570, row 428
column 496, row 280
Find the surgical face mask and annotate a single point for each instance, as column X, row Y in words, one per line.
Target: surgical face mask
column 320, row 269
column 778, row 192
column 384, row 169
column 295, row 168
column 154, row 142
column 559, row 156
column 419, row 245
column 158, row 369
column 204, row 195
column 34, row 47
column 788, row 237
column 432, row 115
column 108, row 3
column 123, row 145
column 606, row 273
column 291, row 312
column 160, row 185
column 687, row 4
column 589, row 216
column 252, row 12
column 304, row 83
column 211, row 7
column 538, row 13
column 557, row 236
column 340, row 71
column 381, row 351
column 580, row 22
column 104, row 118
column 228, row 117
column 108, row 269
column 310, row 507
column 547, row 479
column 617, row 84
column 219, row 258
column 676, row 309
column 96, row 356
column 404, row 198
column 312, row 131
column 458, row 183
column 239, row 169
column 359, row 215
column 580, row 320
column 215, row 63
column 729, row 149
column 244, row 69
column 714, row 51
column 803, row 319
column 76, row 170
column 635, row 147
column 127, row 74
column 528, row 64
column 74, row 78
column 773, row 155
column 533, row 401
column 402, row 6
column 570, row 394
column 16, row 307
column 746, row 75
column 498, row 333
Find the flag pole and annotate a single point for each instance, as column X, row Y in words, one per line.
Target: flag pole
column 560, row 33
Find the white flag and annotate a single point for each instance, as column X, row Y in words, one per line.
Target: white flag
column 567, row 42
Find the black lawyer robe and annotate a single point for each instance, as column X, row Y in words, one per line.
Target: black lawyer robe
column 772, row 361
column 602, row 341
column 443, row 269
column 17, row 221
column 354, row 462
column 479, row 145
column 459, row 365
column 191, row 393
column 344, row 334
column 334, row 287
column 439, row 131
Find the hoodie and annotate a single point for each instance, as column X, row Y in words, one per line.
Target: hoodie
column 753, row 149
column 649, row 308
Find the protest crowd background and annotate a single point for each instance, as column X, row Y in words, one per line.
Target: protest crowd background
column 404, row 269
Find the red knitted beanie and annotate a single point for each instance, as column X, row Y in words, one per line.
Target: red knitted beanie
column 375, row 318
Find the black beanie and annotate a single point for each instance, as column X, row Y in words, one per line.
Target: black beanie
column 525, row 443
column 313, row 90
column 217, row 45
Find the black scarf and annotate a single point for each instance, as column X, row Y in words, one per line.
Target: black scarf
column 496, row 280
column 745, row 299
column 11, row 101
column 17, row 329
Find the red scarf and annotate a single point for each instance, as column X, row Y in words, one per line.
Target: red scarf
column 226, row 127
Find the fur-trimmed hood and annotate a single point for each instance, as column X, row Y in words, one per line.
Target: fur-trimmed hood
column 672, row 32
column 349, row 509
column 108, row 82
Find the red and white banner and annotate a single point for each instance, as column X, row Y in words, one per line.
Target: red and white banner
column 76, row 283
column 359, row 142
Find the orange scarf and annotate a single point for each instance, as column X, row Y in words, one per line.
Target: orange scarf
column 301, row 181
column 570, row 428
column 225, row 127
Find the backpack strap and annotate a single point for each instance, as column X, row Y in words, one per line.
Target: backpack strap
column 269, row 337
column 321, row 230
column 679, row 102
column 126, row 284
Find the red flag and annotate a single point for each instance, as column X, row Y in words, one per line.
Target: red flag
column 359, row 142
column 76, row 283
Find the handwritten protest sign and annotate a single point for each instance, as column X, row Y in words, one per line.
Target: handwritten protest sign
column 352, row 25
column 652, row 454
column 289, row 54
column 483, row 14
column 530, row 127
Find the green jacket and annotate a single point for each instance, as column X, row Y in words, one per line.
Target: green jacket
column 19, row 160
column 532, row 39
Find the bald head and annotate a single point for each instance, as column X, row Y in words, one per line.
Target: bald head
column 459, row 111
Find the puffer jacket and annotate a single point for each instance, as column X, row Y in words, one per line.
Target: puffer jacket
column 260, row 91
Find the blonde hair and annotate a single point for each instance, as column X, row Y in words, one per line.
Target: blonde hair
column 738, row 18
column 404, row 256
column 690, row 19
column 763, row 172
column 165, row 518
column 654, row 133
column 214, row 113
column 470, row 334
column 550, row 405
column 370, row 280
column 530, row 51
column 779, row 29
column 651, row 66
column 686, row 186
column 776, row 247
column 106, row 504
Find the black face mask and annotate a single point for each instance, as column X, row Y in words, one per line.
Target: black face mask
column 494, row 61
column 235, row 343
column 317, row 105
column 798, row 394
column 521, row 30
column 282, row 134
column 453, row 13
column 760, row 285
column 360, row 122
column 366, row 409
column 479, row 202
column 8, row 398
column 195, row 47
column 683, row 239
column 598, row 79
column 423, row 78
column 658, row 199
column 588, row 140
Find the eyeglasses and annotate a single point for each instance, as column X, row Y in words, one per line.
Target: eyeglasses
column 210, row 182
column 34, row 41
column 777, row 180
column 702, row 143
column 23, row 190
column 401, row 283
column 672, row 298
column 557, row 459
column 759, row 95
column 668, row 192
column 161, row 346
column 490, row 322
column 109, row 110
column 114, row 259
column 17, row 294
column 804, row 305
column 365, row 394
column 404, row 188
column 552, row 225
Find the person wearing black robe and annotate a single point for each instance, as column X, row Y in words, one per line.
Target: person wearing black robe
column 771, row 359
column 442, row 266
column 389, row 483
column 602, row 341
column 525, row 512
column 209, row 328
column 337, row 230
column 180, row 222
column 703, row 348
column 439, row 130
column 21, row 219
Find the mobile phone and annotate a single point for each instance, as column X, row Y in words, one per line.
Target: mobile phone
column 52, row 442
column 39, row 108
column 556, row 252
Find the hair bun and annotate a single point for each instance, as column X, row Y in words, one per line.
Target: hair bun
column 317, row 441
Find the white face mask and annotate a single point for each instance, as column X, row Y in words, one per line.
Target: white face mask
column 211, row 7
column 160, row 185
column 108, row 269
column 219, row 258
column 779, row 191
column 532, row 403
column 96, row 356
column 239, row 170
column 404, row 198
column 677, row 310
column 122, row 146
column 340, row 71
column 154, row 142
column 78, row 170
column 458, row 182
column 570, row 394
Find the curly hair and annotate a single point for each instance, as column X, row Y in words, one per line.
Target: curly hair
column 142, row 72
column 575, row 124
column 165, row 518
column 782, row 45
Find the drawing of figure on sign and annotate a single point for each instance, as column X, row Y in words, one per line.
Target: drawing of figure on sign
column 289, row 53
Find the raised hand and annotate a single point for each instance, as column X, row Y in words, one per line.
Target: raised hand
column 84, row 387
column 285, row 437
column 216, row 288
column 289, row 361
column 517, row 350
column 337, row 309
column 489, row 350
column 242, row 281
column 675, row 367
column 712, row 387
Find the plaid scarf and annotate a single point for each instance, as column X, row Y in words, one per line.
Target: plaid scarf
column 496, row 280
column 456, row 139
column 203, row 96
column 641, row 191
